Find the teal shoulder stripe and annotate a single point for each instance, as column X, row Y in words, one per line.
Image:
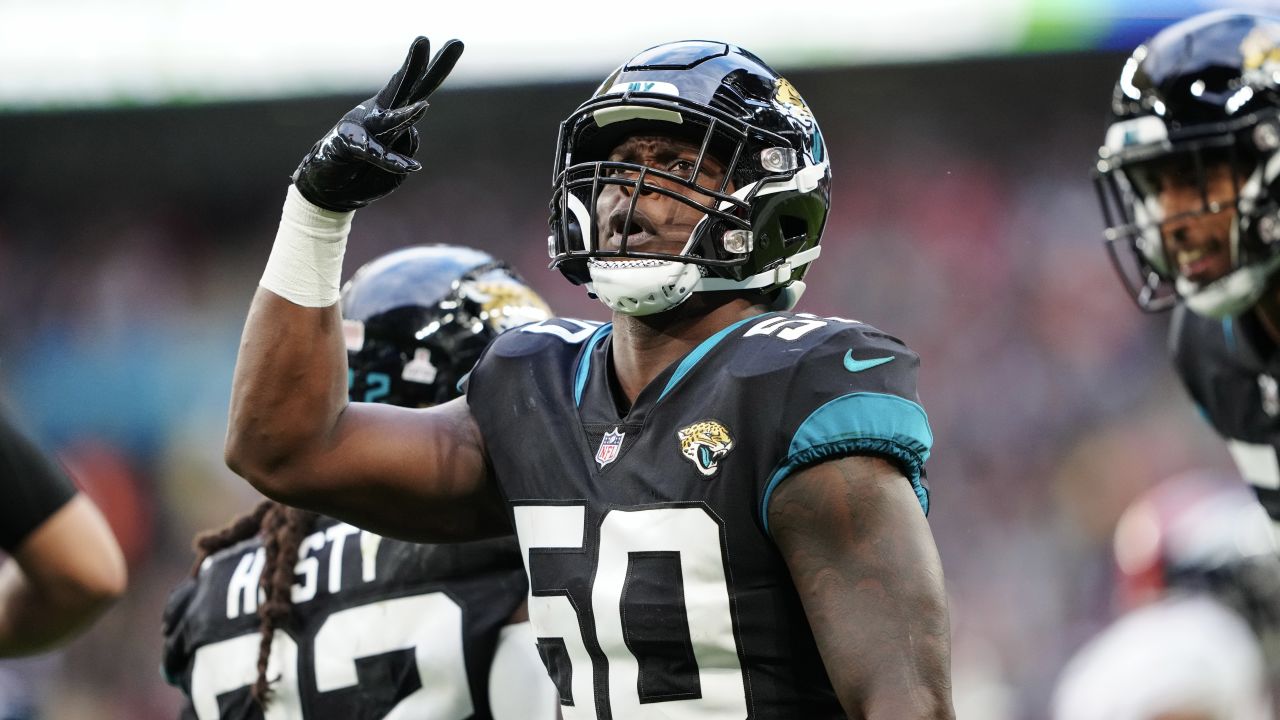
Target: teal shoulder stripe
column 699, row 352
column 584, row 361
column 859, row 423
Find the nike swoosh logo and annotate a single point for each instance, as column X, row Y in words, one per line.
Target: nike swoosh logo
column 859, row 365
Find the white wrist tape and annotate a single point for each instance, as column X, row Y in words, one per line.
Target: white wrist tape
column 305, row 266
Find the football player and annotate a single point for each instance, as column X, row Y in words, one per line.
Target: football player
column 1187, row 177
column 292, row 614
column 720, row 503
column 65, row 567
column 1200, row 584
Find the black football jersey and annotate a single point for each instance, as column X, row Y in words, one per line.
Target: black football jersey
column 32, row 486
column 655, row 588
column 380, row 629
column 1230, row 368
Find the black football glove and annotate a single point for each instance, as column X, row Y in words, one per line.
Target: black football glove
column 369, row 152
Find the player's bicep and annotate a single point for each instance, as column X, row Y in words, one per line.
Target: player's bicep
column 865, row 566
column 412, row 474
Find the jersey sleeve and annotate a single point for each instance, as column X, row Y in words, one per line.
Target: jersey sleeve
column 853, row 392
column 32, row 486
column 175, row 661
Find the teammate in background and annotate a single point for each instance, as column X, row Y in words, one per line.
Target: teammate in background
column 65, row 567
column 720, row 503
column 291, row 614
column 1188, row 178
column 1200, row 583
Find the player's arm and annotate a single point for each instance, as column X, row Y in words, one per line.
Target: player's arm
column 414, row 474
column 864, row 563
column 65, row 567
column 64, row 574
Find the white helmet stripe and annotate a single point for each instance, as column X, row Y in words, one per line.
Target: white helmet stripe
column 580, row 213
column 1136, row 131
column 805, row 180
column 775, row 276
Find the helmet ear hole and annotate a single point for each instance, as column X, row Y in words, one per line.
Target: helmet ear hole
column 794, row 229
column 573, row 234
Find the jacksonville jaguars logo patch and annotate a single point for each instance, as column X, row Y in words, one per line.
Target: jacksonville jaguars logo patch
column 705, row 443
column 1260, row 54
column 787, row 99
column 610, row 445
column 504, row 304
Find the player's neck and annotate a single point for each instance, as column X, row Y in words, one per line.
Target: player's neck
column 645, row 346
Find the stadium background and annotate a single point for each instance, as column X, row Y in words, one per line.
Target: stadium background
column 135, row 221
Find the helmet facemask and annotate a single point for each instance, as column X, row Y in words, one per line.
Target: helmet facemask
column 1128, row 181
column 760, row 222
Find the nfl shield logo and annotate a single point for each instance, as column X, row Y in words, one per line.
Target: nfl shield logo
column 609, row 446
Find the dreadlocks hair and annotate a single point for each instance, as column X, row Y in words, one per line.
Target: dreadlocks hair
column 283, row 529
column 238, row 530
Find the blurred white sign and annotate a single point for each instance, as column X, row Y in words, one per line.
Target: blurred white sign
column 93, row 52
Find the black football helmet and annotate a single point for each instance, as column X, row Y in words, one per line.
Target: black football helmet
column 1201, row 92
column 760, row 236
column 416, row 320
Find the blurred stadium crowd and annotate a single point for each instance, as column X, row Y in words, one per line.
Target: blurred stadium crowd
column 963, row 221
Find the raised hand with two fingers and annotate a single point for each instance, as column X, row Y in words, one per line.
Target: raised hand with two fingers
column 370, row 151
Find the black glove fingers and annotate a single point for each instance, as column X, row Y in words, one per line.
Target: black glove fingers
column 370, row 151
column 398, row 89
column 373, row 153
column 439, row 69
column 349, row 140
column 406, row 143
column 388, row 124
column 396, row 164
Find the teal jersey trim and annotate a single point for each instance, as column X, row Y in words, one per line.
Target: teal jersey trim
column 859, row 424
column 1229, row 333
column 700, row 352
column 584, row 361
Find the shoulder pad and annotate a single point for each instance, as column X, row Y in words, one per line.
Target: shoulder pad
column 534, row 337
column 800, row 340
column 176, row 606
column 247, row 545
column 175, row 655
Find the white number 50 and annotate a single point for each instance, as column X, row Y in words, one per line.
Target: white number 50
column 687, row 533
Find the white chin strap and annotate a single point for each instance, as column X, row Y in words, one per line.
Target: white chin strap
column 645, row 287
column 1229, row 295
column 642, row 287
